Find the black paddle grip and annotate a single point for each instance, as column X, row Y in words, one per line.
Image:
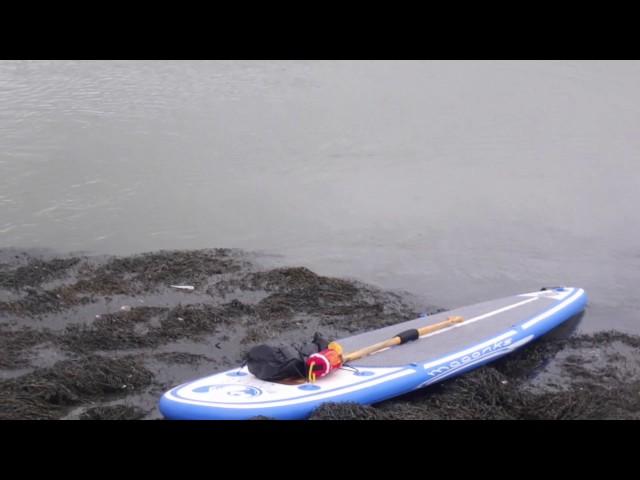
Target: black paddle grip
column 408, row 336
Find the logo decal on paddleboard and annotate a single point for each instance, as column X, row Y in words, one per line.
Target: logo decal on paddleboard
column 480, row 355
column 236, row 391
column 473, row 357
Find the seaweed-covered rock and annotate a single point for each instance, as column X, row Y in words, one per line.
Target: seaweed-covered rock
column 48, row 392
column 113, row 412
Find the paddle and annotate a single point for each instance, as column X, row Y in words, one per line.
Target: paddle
column 322, row 363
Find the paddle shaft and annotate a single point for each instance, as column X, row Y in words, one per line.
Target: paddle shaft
column 401, row 338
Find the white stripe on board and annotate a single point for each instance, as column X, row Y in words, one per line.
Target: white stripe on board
column 553, row 310
column 481, row 317
column 470, row 321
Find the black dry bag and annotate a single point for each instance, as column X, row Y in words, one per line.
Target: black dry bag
column 273, row 363
column 278, row 363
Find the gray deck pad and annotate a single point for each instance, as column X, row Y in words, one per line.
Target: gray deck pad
column 482, row 322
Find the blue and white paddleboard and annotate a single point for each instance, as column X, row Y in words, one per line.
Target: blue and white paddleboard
column 489, row 331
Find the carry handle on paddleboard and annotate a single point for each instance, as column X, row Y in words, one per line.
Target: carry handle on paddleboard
column 322, row 363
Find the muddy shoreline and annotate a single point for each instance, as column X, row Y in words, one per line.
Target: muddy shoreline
column 102, row 337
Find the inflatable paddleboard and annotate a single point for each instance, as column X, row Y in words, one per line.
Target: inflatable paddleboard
column 489, row 331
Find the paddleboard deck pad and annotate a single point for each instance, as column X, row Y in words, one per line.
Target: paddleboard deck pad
column 489, row 331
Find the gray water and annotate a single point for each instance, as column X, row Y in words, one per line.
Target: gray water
column 455, row 181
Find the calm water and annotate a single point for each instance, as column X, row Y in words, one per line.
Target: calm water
column 456, row 181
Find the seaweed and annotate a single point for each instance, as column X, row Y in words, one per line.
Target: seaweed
column 117, row 359
column 47, row 393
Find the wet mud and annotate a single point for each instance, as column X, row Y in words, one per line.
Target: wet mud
column 99, row 337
